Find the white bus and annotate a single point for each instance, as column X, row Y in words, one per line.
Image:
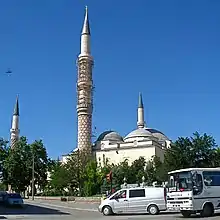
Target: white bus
column 194, row 190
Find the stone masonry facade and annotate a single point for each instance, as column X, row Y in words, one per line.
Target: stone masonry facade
column 85, row 103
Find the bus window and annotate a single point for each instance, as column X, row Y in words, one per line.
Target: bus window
column 211, row 178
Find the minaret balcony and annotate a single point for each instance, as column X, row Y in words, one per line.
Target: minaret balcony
column 87, row 83
column 87, row 110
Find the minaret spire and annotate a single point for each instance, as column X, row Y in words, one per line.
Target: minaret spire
column 86, row 28
column 140, row 122
column 15, row 124
column 85, row 36
column 16, row 108
column 85, row 89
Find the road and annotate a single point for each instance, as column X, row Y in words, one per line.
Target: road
column 56, row 210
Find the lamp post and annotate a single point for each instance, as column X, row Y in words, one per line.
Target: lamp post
column 32, row 187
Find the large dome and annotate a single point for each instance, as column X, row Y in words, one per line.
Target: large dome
column 109, row 136
column 157, row 134
column 138, row 133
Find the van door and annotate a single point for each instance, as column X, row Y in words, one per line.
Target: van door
column 137, row 201
column 120, row 202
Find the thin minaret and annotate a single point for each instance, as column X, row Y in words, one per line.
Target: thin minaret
column 140, row 121
column 14, row 131
column 84, row 90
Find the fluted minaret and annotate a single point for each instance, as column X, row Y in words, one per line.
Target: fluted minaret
column 14, row 131
column 140, row 121
column 84, row 89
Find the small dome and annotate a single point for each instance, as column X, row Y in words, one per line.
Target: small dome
column 157, row 134
column 139, row 133
column 109, row 136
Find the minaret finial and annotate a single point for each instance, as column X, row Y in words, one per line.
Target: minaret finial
column 15, row 125
column 140, row 122
column 140, row 103
column 16, row 108
column 86, row 28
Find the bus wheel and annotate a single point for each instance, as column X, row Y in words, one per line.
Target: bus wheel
column 186, row 214
column 208, row 210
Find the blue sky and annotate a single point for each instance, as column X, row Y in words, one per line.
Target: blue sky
column 168, row 50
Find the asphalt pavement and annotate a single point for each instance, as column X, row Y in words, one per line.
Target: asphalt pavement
column 56, row 210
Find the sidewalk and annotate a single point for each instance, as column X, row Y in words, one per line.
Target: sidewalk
column 96, row 200
column 84, row 206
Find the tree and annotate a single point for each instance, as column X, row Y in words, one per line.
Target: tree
column 137, row 170
column 17, row 165
column 92, row 179
column 60, row 179
column 196, row 151
column 4, row 148
column 79, row 175
column 40, row 159
column 216, row 159
column 119, row 172
column 160, row 173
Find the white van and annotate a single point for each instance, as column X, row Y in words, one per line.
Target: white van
column 150, row 200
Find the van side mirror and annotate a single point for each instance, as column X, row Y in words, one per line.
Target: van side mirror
column 114, row 197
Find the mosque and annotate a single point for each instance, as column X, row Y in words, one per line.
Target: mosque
column 110, row 147
column 144, row 141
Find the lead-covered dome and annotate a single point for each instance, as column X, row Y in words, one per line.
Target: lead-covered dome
column 109, row 136
column 139, row 133
column 157, row 134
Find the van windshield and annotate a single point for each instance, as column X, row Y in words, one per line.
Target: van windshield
column 119, row 194
column 181, row 181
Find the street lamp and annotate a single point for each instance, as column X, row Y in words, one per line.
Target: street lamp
column 32, row 190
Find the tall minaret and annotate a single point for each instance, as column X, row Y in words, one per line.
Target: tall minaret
column 140, row 121
column 14, row 131
column 84, row 89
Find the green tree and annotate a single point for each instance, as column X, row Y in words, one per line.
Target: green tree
column 121, row 171
column 216, row 158
column 149, row 172
column 60, row 179
column 40, row 157
column 17, row 165
column 92, row 179
column 196, row 151
column 4, row 148
column 160, row 173
column 137, row 170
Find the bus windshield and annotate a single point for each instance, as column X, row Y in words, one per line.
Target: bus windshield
column 181, row 181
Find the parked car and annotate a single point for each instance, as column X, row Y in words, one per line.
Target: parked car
column 13, row 199
column 150, row 200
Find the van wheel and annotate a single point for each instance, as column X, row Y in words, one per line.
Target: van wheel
column 186, row 214
column 208, row 210
column 153, row 210
column 107, row 210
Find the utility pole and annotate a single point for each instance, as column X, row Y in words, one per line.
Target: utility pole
column 78, row 171
column 32, row 188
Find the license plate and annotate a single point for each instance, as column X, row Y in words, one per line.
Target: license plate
column 173, row 209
